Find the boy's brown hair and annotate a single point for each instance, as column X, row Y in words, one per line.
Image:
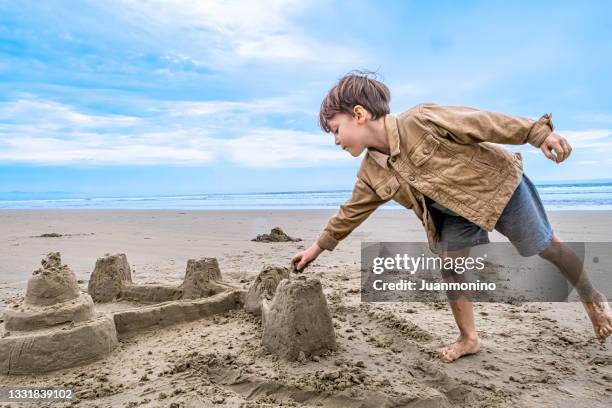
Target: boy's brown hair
column 355, row 88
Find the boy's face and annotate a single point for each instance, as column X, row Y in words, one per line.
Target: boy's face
column 350, row 131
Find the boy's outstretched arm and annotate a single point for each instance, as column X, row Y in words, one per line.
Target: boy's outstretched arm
column 467, row 125
column 352, row 213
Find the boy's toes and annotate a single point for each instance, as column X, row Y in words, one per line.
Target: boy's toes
column 446, row 355
column 604, row 333
column 458, row 349
column 601, row 317
column 447, row 359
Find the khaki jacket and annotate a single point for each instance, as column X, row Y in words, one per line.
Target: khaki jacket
column 446, row 153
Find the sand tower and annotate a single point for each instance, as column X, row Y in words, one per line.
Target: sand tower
column 297, row 320
column 55, row 327
column 202, row 279
column 295, row 316
column 264, row 287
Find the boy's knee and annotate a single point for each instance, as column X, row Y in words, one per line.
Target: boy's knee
column 551, row 252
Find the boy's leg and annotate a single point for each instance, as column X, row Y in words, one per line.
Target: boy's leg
column 571, row 266
column 463, row 312
column 525, row 223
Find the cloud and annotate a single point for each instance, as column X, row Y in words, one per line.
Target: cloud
column 593, row 138
column 79, row 150
column 293, row 104
column 53, row 115
column 584, row 141
column 38, row 131
column 282, row 148
column 223, row 33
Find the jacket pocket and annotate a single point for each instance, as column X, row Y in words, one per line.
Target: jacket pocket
column 489, row 157
column 485, row 165
column 424, row 150
column 387, row 189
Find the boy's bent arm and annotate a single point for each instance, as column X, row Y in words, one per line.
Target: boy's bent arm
column 352, row 213
column 469, row 125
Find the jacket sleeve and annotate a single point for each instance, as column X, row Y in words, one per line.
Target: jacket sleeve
column 469, row 125
column 352, row 213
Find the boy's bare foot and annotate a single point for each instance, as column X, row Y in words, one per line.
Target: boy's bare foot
column 462, row 347
column 601, row 318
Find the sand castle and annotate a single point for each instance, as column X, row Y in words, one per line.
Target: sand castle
column 112, row 280
column 201, row 294
column 295, row 318
column 55, row 327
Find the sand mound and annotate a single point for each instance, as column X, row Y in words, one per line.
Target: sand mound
column 275, row 235
column 53, row 283
column 55, row 327
column 264, row 287
column 297, row 322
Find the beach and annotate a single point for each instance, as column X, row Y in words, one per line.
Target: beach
column 534, row 354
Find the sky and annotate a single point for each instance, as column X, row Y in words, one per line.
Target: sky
column 122, row 97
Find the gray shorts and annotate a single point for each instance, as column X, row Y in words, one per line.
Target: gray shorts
column 523, row 221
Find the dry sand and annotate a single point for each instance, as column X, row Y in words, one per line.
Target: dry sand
column 536, row 354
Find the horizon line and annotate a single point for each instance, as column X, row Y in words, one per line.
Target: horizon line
column 553, row 183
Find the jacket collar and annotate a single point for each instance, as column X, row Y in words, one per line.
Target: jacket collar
column 394, row 142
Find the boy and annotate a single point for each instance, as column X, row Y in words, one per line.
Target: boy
column 441, row 162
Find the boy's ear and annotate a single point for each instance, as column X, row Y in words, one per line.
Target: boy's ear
column 359, row 113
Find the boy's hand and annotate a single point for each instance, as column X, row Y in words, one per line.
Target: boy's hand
column 558, row 145
column 302, row 259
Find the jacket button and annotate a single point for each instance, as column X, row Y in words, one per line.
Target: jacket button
column 425, row 151
column 388, row 189
column 411, row 178
column 392, row 159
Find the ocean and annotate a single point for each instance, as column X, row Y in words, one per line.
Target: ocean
column 568, row 196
